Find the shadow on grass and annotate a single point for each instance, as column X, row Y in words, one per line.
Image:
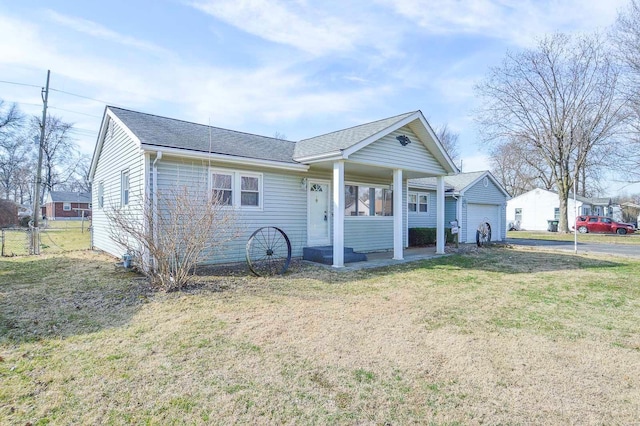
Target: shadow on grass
column 490, row 259
column 62, row 296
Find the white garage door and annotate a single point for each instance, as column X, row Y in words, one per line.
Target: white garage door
column 478, row 213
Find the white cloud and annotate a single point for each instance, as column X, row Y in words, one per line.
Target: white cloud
column 98, row 31
column 516, row 21
column 330, row 27
column 306, row 29
column 231, row 97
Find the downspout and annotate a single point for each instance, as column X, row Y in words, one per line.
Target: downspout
column 154, row 191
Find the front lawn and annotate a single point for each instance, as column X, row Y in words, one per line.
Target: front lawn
column 499, row 336
column 633, row 239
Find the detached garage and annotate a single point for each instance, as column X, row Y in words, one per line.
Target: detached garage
column 471, row 198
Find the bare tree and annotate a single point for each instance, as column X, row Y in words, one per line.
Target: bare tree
column 14, row 148
column 560, row 100
column 449, row 140
column 625, row 35
column 10, row 118
column 517, row 168
column 171, row 236
column 279, row 135
column 60, row 153
column 15, row 153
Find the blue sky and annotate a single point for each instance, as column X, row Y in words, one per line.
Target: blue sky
column 300, row 68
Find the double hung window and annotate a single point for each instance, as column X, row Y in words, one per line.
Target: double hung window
column 237, row 188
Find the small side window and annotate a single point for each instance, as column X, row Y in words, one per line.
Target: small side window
column 124, row 188
column 66, row 207
column 100, row 195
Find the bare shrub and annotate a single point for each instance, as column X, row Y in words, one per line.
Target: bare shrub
column 168, row 238
column 8, row 213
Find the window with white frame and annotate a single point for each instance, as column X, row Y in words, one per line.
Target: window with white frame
column 556, row 213
column 124, row 188
column 361, row 200
column 249, row 191
column 222, row 188
column 418, row 202
column 237, row 188
column 100, row 195
column 518, row 215
column 66, row 207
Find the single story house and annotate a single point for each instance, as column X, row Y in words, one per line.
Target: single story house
column 67, row 205
column 532, row 210
column 470, row 199
column 317, row 190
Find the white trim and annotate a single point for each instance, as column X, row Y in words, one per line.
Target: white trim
column 108, row 114
column 418, row 194
column 236, row 187
column 123, row 173
column 482, row 176
column 368, row 141
column 328, row 156
column 398, row 251
column 230, row 159
column 327, row 240
column 338, row 214
column 440, row 200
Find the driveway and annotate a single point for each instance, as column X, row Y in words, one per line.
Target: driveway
column 600, row 248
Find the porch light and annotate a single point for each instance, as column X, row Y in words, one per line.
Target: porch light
column 404, row 140
column 303, row 183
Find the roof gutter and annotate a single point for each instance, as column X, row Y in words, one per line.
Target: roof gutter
column 231, row 159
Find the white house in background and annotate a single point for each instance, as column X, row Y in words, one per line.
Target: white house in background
column 533, row 209
column 317, row 190
column 471, row 198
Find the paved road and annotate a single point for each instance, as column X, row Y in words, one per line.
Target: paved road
column 615, row 249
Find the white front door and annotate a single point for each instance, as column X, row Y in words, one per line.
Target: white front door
column 319, row 214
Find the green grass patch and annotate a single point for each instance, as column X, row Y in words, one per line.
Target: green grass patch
column 629, row 239
column 461, row 339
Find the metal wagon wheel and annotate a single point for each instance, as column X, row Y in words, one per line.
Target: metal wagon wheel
column 483, row 234
column 268, row 251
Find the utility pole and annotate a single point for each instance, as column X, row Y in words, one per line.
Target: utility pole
column 36, row 209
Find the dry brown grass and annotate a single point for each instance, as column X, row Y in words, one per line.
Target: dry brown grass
column 496, row 336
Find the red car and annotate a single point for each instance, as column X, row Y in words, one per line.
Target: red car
column 601, row 224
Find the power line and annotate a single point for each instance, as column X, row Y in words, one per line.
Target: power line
column 20, row 84
column 75, row 112
column 80, row 96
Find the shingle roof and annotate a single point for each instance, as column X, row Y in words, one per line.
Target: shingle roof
column 456, row 182
column 172, row 133
column 600, row 201
column 343, row 139
column 70, row 197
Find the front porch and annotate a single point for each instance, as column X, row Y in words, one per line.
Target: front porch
column 381, row 259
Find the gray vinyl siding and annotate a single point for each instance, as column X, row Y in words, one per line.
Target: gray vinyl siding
column 284, row 204
column 429, row 219
column 119, row 152
column 489, row 195
column 368, row 233
column 387, row 152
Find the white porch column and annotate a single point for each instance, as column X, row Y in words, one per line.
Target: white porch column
column 397, row 215
column 440, row 215
column 338, row 214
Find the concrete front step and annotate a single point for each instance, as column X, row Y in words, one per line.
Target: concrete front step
column 324, row 254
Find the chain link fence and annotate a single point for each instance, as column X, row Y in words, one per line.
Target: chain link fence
column 52, row 238
column 16, row 241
